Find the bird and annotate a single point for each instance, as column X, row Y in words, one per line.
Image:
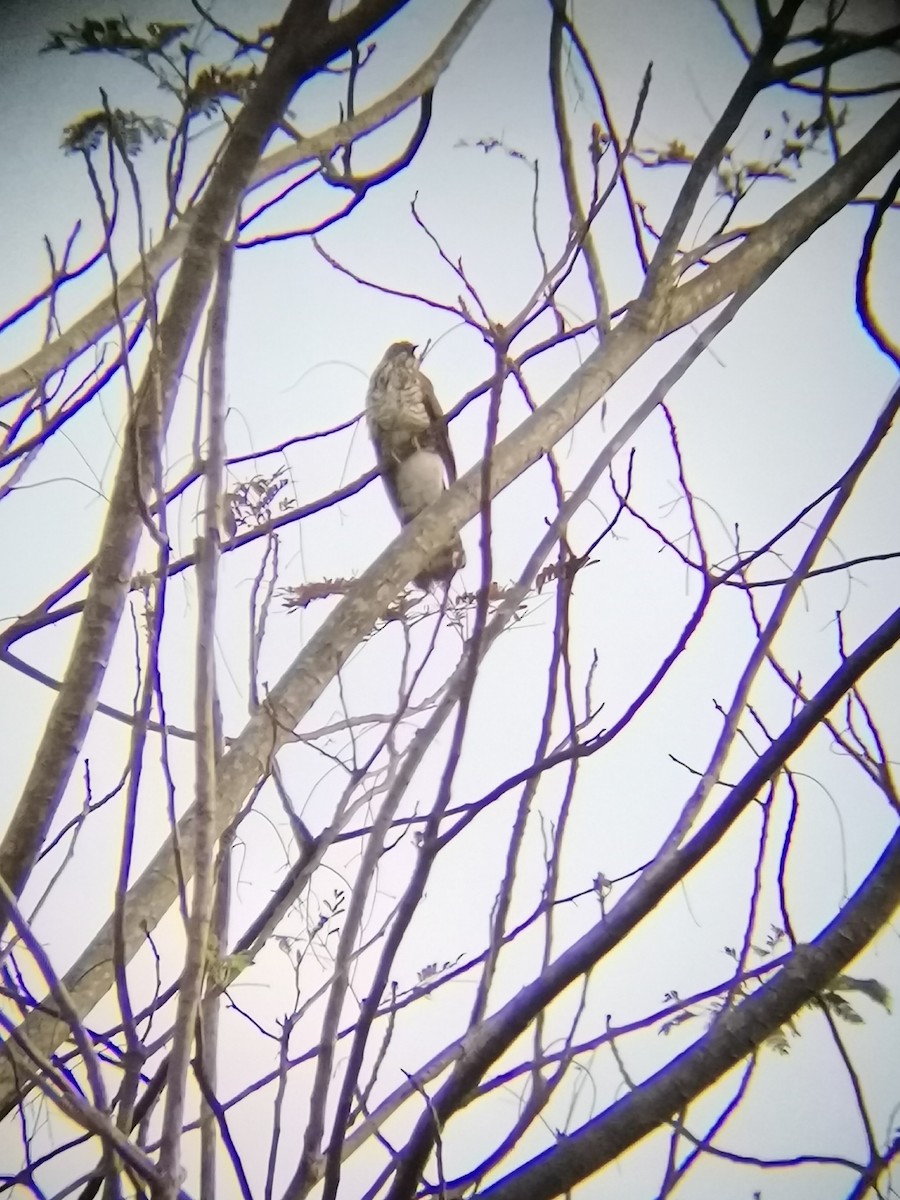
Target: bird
column 409, row 433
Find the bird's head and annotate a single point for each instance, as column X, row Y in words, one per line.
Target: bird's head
column 401, row 350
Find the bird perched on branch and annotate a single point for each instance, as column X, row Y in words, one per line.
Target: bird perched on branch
column 409, row 433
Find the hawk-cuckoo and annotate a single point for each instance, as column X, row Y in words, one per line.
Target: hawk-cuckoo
column 409, row 433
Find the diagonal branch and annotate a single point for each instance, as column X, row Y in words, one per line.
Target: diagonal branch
column 163, row 256
column 293, row 59
column 775, row 240
column 737, row 1033
column 496, row 1034
column 306, row 678
column 754, row 80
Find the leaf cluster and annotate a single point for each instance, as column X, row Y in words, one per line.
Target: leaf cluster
column 214, row 84
column 831, row 1000
column 115, row 35
column 128, row 130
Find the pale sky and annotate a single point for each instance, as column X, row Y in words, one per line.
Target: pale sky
column 766, row 422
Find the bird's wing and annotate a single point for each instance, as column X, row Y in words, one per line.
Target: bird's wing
column 387, row 465
column 438, row 427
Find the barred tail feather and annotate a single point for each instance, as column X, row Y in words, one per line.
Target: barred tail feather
column 443, row 565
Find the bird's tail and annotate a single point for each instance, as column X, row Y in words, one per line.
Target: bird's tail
column 443, row 565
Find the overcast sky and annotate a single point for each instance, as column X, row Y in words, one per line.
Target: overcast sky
column 766, row 422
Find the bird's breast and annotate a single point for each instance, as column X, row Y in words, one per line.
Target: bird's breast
column 420, row 481
column 399, row 408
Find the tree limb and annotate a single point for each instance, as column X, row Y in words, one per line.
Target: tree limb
column 736, row 1033
column 163, row 256
column 306, row 678
column 299, row 50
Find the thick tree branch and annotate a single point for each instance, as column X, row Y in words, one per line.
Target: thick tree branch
column 305, row 680
column 299, row 50
column 163, row 256
column 754, row 80
column 837, row 47
column 484, row 1045
column 773, row 242
column 735, row 1034
column 248, row 759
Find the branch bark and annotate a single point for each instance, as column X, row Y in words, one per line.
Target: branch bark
column 306, row 678
column 300, row 49
column 166, row 253
column 496, row 1034
column 734, row 1035
column 775, row 240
